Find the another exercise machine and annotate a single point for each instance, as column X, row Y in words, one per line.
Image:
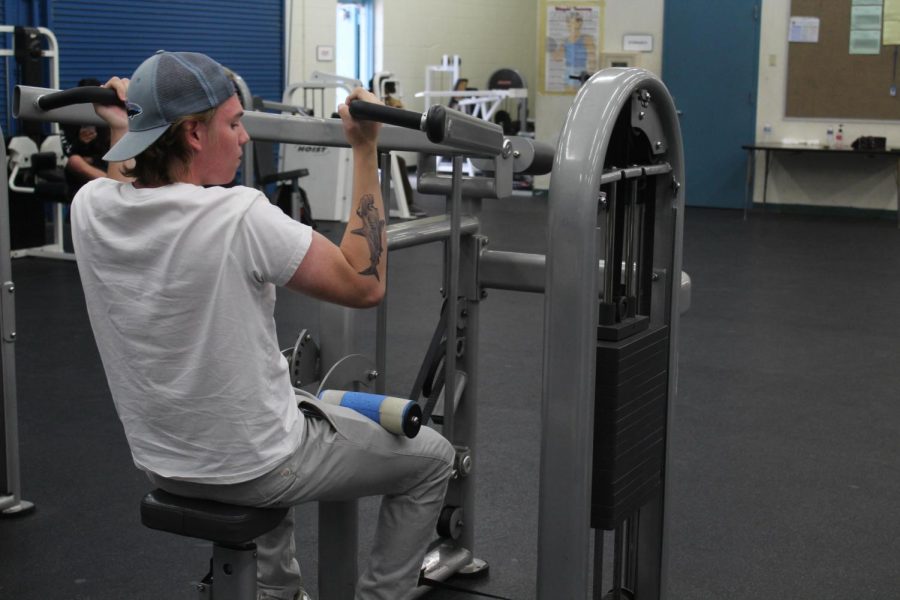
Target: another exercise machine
column 329, row 190
column 38, row 43
column 384, row 85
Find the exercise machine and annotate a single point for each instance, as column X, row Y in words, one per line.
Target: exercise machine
column 450, row 65
column 384, row 85
column 484, row 104
column 450, row 130
column 610, row 347
column 48, row 48
column 611, row 338
column 331, row 184
column 510, row 79
column 614, row 290
column 502, row 85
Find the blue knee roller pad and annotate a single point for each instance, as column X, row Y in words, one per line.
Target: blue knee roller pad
column 397, row 415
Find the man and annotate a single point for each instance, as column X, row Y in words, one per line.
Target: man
column 179, row 278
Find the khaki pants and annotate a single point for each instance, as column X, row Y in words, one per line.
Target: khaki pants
column 344, row 456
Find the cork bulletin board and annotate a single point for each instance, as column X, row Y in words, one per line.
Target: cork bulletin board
column 825, row 80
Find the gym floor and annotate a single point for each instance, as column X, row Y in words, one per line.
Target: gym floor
column 785, row 462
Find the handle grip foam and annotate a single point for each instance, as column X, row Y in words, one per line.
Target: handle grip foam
column 397, row 415
column 370, row 111
column 78, row 95
column 441, row 125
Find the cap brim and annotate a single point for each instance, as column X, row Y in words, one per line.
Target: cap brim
column 133, row 143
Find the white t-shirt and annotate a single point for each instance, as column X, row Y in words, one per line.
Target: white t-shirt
column 180, row 288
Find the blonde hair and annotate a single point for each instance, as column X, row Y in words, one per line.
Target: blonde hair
column 165, row 158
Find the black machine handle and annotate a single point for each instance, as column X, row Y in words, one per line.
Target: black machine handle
column 369, row 111
column 79, row 95
column 543, row 159
column 466, row 131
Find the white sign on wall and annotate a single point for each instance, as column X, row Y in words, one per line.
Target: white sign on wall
column 637, row 42
column 324, row 53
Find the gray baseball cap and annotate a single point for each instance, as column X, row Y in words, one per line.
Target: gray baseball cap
column 167, row 86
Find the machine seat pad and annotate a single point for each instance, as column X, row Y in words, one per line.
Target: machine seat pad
column 206, row 519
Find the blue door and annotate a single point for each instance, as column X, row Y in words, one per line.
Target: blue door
column 710, row 65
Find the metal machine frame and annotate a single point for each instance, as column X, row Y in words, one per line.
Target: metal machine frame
column 612, row 274
column 583, row 195
column 11, row 502
column 312, row 95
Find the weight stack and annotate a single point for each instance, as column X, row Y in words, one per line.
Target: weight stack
column 629, row 424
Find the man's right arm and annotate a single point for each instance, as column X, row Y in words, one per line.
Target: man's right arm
column 353, row 273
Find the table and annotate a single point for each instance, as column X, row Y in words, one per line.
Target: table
column 767, row 148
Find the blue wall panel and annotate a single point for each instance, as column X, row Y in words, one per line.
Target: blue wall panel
column 102, row 38
column 4, row 83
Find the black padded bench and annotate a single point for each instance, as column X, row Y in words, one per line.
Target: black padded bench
column 230, row 528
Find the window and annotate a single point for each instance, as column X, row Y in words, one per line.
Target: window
column 355, row 41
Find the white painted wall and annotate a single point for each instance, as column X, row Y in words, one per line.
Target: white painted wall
column 485, row 34
column 850, row 181
column 312, row 24
column 489, row 34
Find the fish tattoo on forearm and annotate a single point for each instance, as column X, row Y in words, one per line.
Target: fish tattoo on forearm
column 372, row 230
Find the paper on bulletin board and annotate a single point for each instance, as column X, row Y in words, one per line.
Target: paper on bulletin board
column 865, row 42
column 865, row 29
column 804, row 30
column 865, row 17
column 891, row 31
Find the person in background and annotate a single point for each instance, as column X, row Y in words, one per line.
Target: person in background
column 84, row 147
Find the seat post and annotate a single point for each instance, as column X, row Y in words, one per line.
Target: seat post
column 233, row 572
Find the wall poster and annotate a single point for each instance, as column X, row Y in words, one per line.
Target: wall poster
column 572, row 37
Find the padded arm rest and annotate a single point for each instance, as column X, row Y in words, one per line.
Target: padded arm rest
column 51, row 191
column 295, row 174
column 205, row 519
column 44, row 161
